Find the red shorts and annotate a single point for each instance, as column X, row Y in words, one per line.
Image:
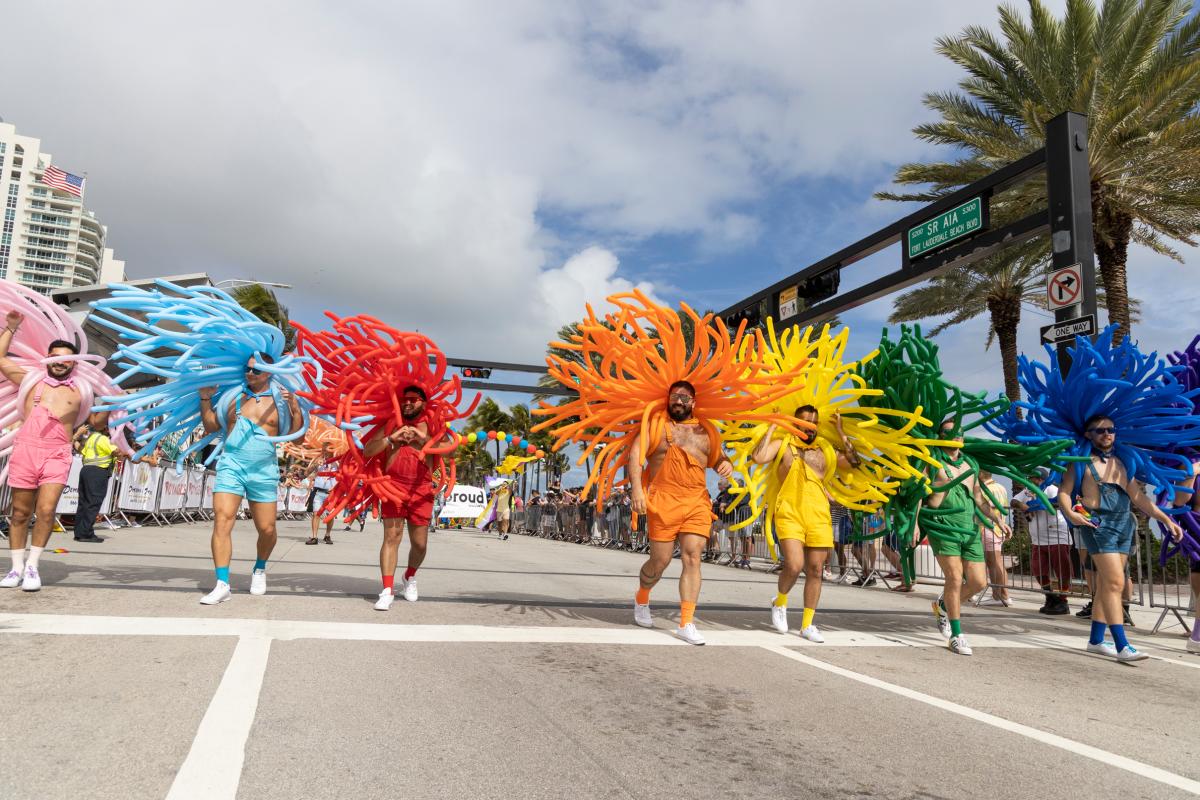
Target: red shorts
column 31, row 466
column 416, row 508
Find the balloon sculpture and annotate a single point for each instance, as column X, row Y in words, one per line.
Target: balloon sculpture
column 1188, row 374
column 908, row 371
column 1152, row 405
column 45, row 322
column 625, row 365
column 194, row 337
column 320, row 434
column 513, row 463
column 367, row 366
column 889, row 455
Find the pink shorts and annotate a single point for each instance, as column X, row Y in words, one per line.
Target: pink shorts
column 30, row 465
column 992, row 542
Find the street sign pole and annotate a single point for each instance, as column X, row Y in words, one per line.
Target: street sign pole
column 1069, row 197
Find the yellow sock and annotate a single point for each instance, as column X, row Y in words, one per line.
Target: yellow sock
column 781, row 600
column 686, row 612
column 806, row 620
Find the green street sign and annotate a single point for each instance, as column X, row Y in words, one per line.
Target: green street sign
column 945, row 228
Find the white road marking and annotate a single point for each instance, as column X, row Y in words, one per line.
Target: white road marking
column 213, row 767
column 1070, row 745
column 72, row 624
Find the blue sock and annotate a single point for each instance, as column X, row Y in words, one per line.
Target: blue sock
column 223, row 573
column 260, row 563
column 1118, row 632
column 1097, row 633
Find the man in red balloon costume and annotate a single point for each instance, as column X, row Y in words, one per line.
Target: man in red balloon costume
column 390, row 390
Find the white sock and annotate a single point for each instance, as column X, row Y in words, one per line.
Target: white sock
column 34, row 554
column 18, row 559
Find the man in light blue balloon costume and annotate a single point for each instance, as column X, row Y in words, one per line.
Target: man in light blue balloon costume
column 226, row 375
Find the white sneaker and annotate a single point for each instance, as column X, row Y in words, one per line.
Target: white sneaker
column 410, row 590
column 32, row 581
column 1103, row 649
column 385, row 600
column 958, row 644
column 1127, row 653
column 11, row 580
column 689, row 633
column 219, row 594
column 992, row 601
column 258, row 582
column 1193, row 646
column 943, row 621
column 813, row 634
column 779, row 618
column 641, row 615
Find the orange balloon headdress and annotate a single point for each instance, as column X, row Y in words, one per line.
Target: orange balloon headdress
column 625, row 365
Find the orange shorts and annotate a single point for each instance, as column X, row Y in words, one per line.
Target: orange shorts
column 669, row 514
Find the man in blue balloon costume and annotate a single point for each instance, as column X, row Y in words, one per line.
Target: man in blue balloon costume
column 226, row 373
column 1125, row 411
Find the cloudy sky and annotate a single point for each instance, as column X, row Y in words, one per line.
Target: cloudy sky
column 478, row 171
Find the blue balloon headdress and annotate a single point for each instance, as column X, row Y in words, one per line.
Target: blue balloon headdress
column 193, row 337
column 1150, row 407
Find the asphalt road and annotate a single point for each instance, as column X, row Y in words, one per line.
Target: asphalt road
column 519, row 675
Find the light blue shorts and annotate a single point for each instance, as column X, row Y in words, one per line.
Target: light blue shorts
column 257, row 480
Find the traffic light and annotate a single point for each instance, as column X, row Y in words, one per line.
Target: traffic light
column 476, row 372
column 752, row 315
column 820, row 287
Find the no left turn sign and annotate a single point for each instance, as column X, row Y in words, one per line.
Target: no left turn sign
column 1065, row 287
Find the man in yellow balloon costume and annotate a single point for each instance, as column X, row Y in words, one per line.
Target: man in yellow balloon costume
column 845, row 452
column 650, row 392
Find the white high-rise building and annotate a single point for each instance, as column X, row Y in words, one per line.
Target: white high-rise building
column 48, row 240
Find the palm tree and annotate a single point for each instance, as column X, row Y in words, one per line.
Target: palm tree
column 262, row 303
column 1133, row 67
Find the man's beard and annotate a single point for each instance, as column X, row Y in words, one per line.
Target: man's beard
column 809, row 436
column 409, row 417
column 59, row 373
column 678, row 413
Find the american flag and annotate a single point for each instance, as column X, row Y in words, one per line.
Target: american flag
column 71, row 184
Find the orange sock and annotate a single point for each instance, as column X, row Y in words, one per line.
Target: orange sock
column 686, row 612
column 642, row 596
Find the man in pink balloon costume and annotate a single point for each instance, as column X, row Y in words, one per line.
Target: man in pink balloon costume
column 50, row 404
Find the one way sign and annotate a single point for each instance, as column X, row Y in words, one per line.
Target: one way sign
column 1069, row 329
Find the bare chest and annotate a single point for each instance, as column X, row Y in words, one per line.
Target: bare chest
column 812, row 458
column 61, row 402
column 262, row 412
column 691, row 438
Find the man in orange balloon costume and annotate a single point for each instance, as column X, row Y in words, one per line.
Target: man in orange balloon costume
column 390, row 389
column 650, row 394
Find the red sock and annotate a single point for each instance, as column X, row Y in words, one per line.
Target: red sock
column 389, row 581
column 643, row 596
column 408, row 573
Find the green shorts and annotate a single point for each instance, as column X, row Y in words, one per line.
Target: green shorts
column 968, row 548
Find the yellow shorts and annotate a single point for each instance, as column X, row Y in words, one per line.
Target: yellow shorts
column 808, row 521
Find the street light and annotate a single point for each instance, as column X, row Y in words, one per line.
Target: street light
column 235, row 282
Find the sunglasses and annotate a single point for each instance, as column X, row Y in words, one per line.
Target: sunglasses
column 253, row 371
column 1103, row 431
column 680, row 398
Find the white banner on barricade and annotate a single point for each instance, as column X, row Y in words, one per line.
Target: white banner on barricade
column 209, row 481
column 68, row 501
column 172, row 495
column 297, row 499
column 464, row 501
column 139, row 488
column 195, row 488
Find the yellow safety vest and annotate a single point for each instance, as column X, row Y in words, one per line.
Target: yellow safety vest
column 92, row 451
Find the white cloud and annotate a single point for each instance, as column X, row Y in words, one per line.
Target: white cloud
column 402, row 160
